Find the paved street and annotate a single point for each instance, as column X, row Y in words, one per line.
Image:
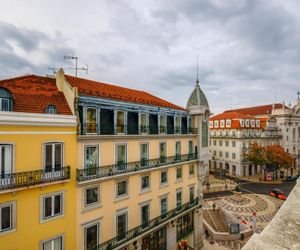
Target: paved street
column 254, row 187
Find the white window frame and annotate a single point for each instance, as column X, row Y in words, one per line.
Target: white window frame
column 13, row 207
column 121, row 111
column 147, row 150
column 92, row 205
column 140, row 122
column 116, row 152
column 127, row 189
column 147, row 203
column 179, row 190
column 62, row 236
column 85, row 146
column 87, row 225
column 163, row 125
column 2, row 144
column 53, row 154
column 121, row 212
column 63, row 206
column 149, row 187
column 4, row 99
column 193, row 167
column 164, row 183
column 167, row 201
column 179, row 178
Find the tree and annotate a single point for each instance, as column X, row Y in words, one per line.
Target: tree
column 275, row 155
column 257, row 155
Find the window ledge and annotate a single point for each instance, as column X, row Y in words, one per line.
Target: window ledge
column 121, row 198
column 91, row 207
column 178, row 180
column 144, row 191
column 163, row 185
column 51, row 218
column 8, row 231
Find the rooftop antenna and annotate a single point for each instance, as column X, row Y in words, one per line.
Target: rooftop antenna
column 298, row 93
column 76, row 64
column 197, row 81
column 53, row 70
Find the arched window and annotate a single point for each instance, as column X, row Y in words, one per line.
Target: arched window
column 6, row 100
column 51, row 109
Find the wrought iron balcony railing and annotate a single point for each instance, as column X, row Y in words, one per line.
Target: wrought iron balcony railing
column 94, row 129
column 31, row 178
column 99, row 172
column 143, row 228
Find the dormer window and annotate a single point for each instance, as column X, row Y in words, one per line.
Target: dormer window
column 5, row 100
column 51, row 109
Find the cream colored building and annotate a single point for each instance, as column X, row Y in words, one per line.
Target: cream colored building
column 231, row 134
column 140, row 167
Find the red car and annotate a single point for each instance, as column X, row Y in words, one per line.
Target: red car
column 276, row 193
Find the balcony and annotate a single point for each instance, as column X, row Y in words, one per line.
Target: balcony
column 110, row 129
column 32, row 178
column 147, row 228
column 100, row 172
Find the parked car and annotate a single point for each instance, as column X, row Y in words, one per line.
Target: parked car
column 276, row 193
column 292, row 178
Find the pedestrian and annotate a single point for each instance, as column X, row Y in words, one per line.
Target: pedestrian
column 178, row 246
column 206, row 233
column 214, row 206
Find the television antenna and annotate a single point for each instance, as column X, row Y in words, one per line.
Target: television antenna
column 86, row 69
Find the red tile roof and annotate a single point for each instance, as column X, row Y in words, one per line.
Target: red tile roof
column 230, row 115
column 33, row 94
column 235, row 120
column 104, row 90
column 257, row 110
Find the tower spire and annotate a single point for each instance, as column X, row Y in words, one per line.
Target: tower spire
column 197, row 79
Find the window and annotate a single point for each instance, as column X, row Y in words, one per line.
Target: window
column 226, row 154
column 53, row 244
column 120, row 122
column 52, row 205
column 192, row 194
column 51, row 109
column 5, row 100
column 215, row 153
column 145, row 182
column 214, row 142
column 222, row 123
column 91, row 158
column 163, row 152
column 7, row 216
column 178, row 198
column 233, row 143
column 121, row 156
column 143, row 123
column 163, row 177
column 233, row 155
column 91, row 196
column 220, row 142
column 163, row 206
column 5, row 162
column 91, row 120
column 179, row 173
column 145, row 215
column 220, row 153
column 91, row 236
column 191, row 148
column 177, row 124
column 227, row 143
column 163, row 124
column 178, row 151
column 53, row 157
column 121, row 225
column 122, row 188
column 144, row 154
column 191, row 170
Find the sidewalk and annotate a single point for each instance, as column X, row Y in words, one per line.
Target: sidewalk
column 258, row 178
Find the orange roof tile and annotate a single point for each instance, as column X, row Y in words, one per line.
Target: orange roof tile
column 33, row 94
column 257, row 110
column 230, row 115
column 109, row 91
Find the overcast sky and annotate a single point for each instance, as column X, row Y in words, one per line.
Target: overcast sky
column 249, row 51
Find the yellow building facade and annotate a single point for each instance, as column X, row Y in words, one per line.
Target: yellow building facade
column 37, row 178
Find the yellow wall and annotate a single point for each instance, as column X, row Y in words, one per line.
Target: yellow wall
column 109, row 204
column 28, row 156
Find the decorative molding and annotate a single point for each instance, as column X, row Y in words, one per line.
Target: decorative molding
column 32, row 119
